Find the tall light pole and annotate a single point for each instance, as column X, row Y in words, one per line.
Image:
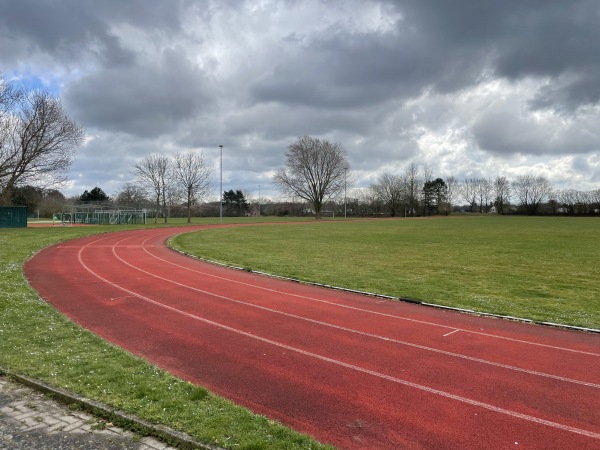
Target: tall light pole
column 259, row 200
column 221, row 189
column 345, row 176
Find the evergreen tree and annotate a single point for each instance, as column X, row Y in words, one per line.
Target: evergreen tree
column 95, row 195
column 235, row 202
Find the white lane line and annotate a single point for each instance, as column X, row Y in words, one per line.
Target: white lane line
column 361, row 333
column 513, row 414
column 393, row 316
column 452, row 332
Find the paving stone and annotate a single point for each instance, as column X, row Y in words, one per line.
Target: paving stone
column 29, row 420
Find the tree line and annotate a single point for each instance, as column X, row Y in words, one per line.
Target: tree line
column 316, row 171
column 395, row 194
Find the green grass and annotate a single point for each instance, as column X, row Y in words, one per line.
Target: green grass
column 541, row 268
column 37, row 341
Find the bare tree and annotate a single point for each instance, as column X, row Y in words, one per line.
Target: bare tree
column 468, row 191
column 426, row 174
column 391, row 190
column 193, row 177
column 9, row 95
column 501, row 189
column 37, row 140
column 451, row 191
column 131, row 195
column 367, row 202
column 575, row 202
column 483, row 189
column 412, row 179
column 584, row 200
column 595, row 199
column 52, row 202
column 566, row 199
column 531, row 191
column 315, row 171
column 153, row 173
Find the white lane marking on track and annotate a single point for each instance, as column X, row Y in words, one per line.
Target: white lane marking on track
column 452, row 332
column 375, row 336
column 427, row 389
column 495, row 336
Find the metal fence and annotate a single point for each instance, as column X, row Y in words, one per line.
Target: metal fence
column 13, row 216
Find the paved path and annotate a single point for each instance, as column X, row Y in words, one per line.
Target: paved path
column 30, row 420
column 355, row 371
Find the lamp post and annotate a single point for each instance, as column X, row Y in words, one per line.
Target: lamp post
column 221, row 189
column 259, row 200
column 345, row 172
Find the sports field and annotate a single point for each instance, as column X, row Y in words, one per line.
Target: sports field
column 462, row 260
column 351, row 370
column 540, row 268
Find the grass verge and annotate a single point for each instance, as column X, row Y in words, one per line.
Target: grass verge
column 541, row 268
column 38, row 341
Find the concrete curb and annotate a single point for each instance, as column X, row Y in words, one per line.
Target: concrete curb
column 389, row 297
column 119, row 418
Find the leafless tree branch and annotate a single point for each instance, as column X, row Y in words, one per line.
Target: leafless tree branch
column 315, row 171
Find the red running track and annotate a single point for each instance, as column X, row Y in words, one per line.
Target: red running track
column 351, row 370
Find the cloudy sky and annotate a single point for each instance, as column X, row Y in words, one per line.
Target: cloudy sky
column 466, row 87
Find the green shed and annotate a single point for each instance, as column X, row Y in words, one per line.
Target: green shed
column 13, row 216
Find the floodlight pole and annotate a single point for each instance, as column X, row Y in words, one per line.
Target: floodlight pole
column 221, row 189
column 345, row 172
column 259, row 200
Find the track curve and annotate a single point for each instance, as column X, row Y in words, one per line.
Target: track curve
column 351, row 370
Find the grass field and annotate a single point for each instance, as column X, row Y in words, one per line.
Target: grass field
column 38, row 341
column 541, row 268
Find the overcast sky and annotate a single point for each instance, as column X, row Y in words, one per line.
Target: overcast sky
column 466, row 87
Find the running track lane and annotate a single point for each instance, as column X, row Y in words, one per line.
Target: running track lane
column 351, row 370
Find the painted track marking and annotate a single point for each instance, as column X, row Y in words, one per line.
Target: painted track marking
column 451, row 332
column 513, row 414
column 393, row 316
column 375, row 336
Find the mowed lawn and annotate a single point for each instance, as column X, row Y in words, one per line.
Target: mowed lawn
column 540, row 268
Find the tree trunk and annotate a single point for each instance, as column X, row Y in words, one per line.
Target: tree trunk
column 189, row 209
column 318, row 207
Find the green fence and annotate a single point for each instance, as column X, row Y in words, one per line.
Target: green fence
column 101, row 217
column 117, row 217
column 13, row 216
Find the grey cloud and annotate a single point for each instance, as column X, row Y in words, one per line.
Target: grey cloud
column 517, row 77
column 72, row 29
column 275, row 122
column 581, row 165
column 569, row 93
column 66, row 30
column 536, row 37
column 440, row 46
column 146, row 99
column 502, row 133
column 340, row 69
column 107, row 160
column 552, row 40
